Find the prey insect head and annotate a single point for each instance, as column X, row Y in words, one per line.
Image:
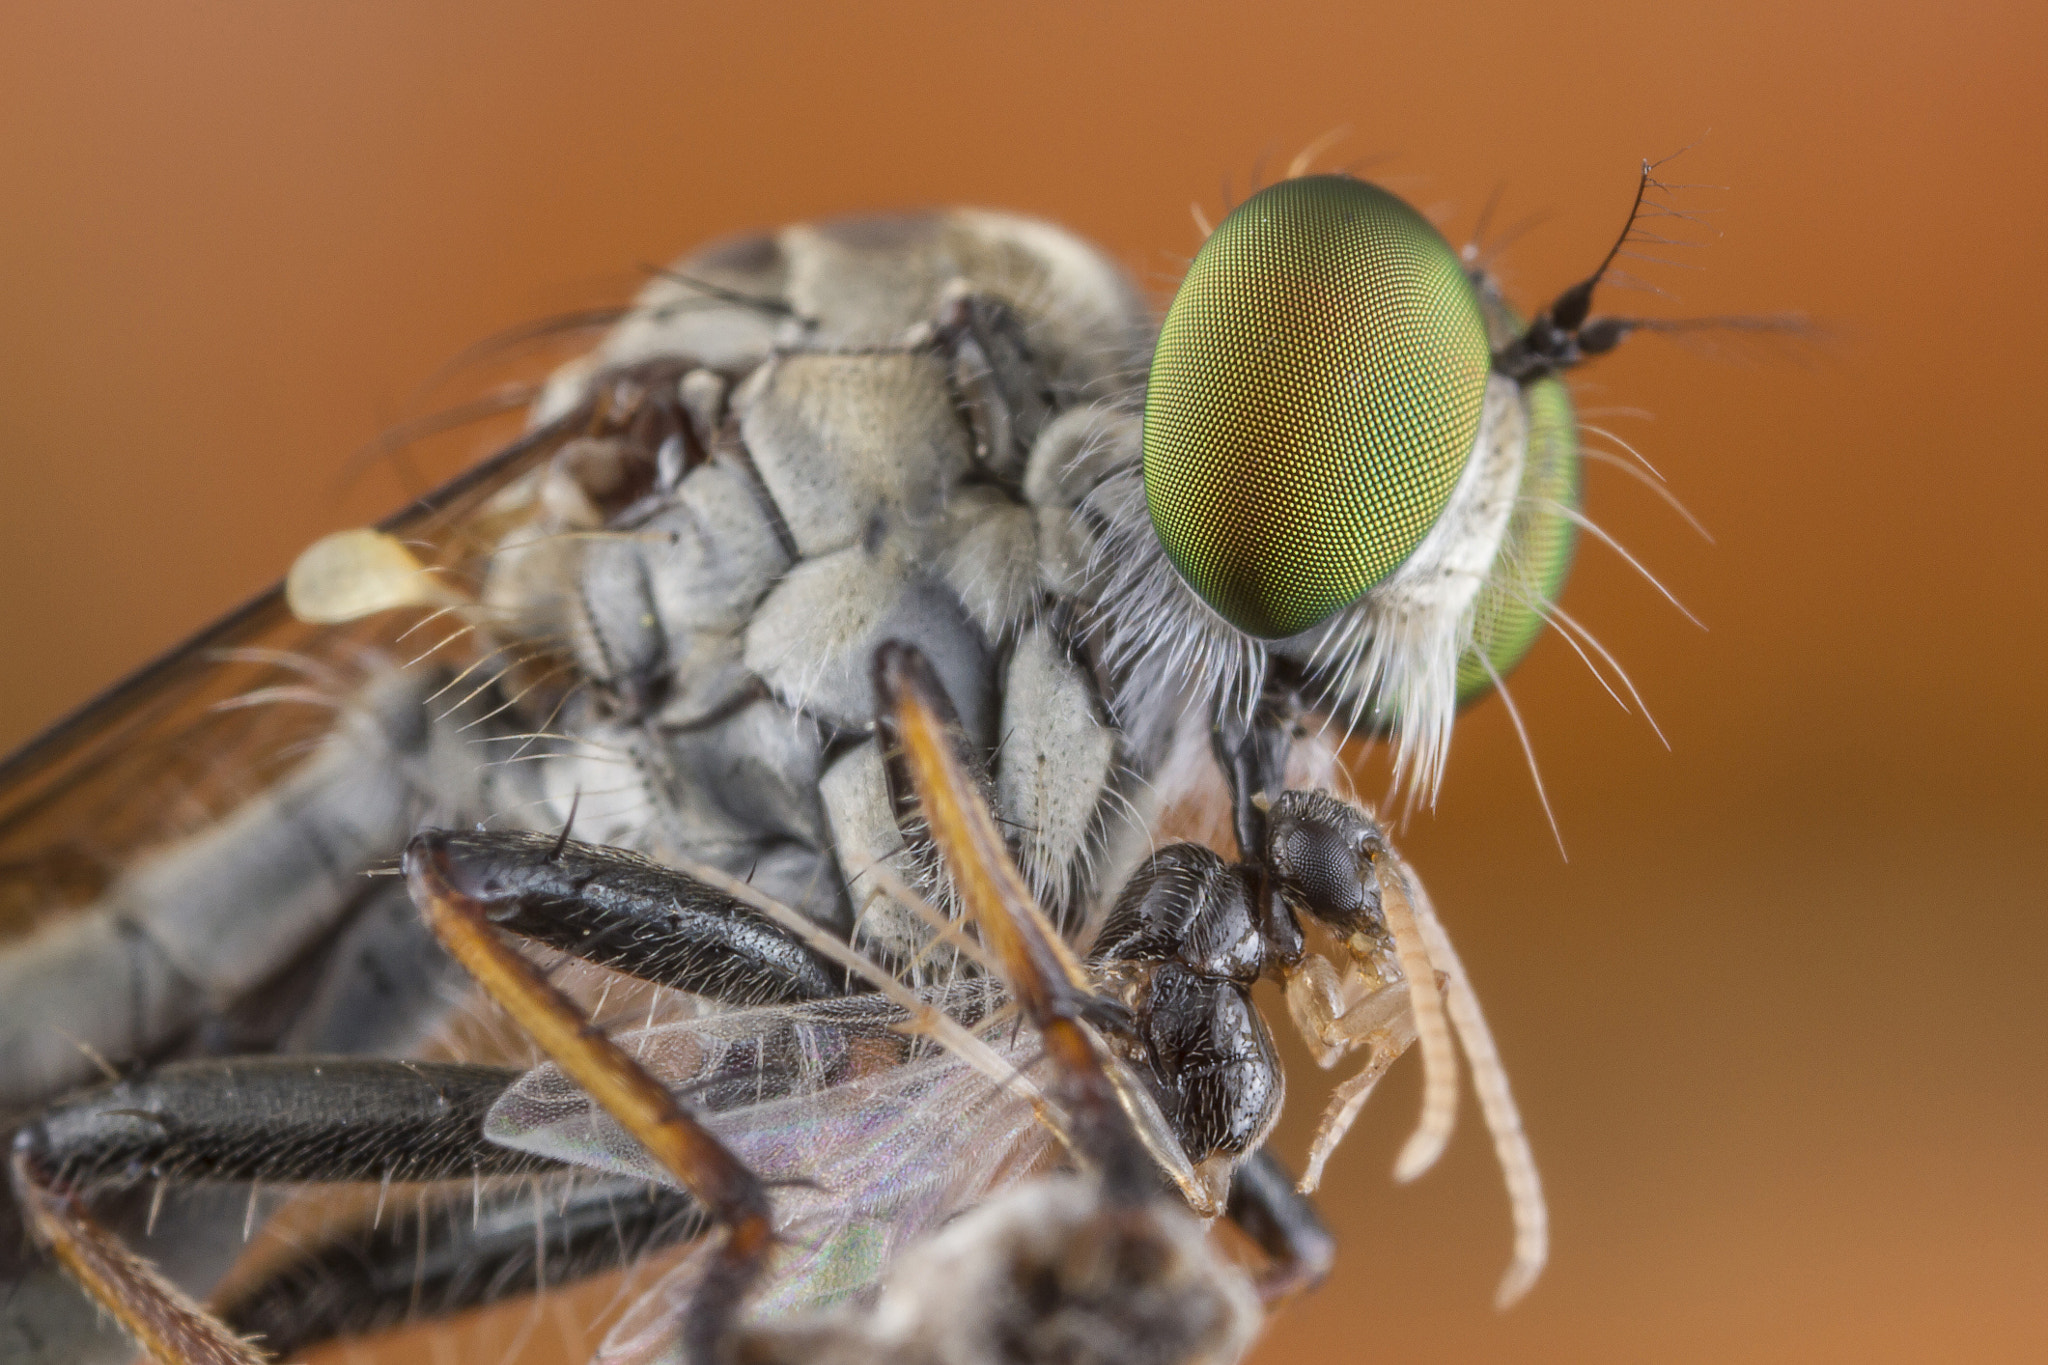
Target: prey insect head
column 1320, row 851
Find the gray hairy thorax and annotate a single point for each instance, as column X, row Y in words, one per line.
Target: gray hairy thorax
column 898, row 427
column 924, row 428
column 894, row 427
column 901, row 420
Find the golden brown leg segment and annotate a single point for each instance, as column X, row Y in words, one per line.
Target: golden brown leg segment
column 1043, row 975
column 164, row 1321
column 1089, row 1265
column 640, row 1104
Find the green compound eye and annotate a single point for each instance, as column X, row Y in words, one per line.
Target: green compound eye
column 1536, row 552
column 1314, row 396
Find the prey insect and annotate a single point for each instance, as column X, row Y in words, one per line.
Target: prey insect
column 1340, row 497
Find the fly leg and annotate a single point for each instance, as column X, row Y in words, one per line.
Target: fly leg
column 622, row 911
column 263, row 1119
column 163, row 1320
column 1044, row 976
column 719, row 1181
column 604, row 906
column 998, row 385
column 429, row 1259
column 1107, row 1268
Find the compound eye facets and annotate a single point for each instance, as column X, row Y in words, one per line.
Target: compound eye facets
column 1536, row 553
column 1314, row 396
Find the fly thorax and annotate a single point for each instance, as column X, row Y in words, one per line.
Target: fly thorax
column 883, row 429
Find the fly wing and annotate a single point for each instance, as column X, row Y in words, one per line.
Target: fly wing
column 173, row 748
column 184, row 840
column 185, row 739
column 869, row 1139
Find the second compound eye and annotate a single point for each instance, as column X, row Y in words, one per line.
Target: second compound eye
column 1315, row 394
column 1535, row 555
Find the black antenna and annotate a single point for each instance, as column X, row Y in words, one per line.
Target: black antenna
column 1570, row 310
column 1566, row 333
column 1557, row 338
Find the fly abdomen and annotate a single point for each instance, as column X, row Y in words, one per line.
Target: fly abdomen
column 192, row 928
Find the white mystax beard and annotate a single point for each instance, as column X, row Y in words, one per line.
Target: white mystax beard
column 1388, row 662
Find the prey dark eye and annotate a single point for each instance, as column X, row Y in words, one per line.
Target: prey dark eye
column 1321, row 850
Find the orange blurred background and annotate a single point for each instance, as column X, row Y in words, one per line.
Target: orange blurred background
column 1777, row 1026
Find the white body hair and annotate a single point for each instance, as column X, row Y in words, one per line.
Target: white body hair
column 1389, row 661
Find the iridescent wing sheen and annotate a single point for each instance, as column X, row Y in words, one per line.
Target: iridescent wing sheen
column 188, row 737
column 870, row 1138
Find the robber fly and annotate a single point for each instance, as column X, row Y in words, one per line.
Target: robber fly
column 1334, row 493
